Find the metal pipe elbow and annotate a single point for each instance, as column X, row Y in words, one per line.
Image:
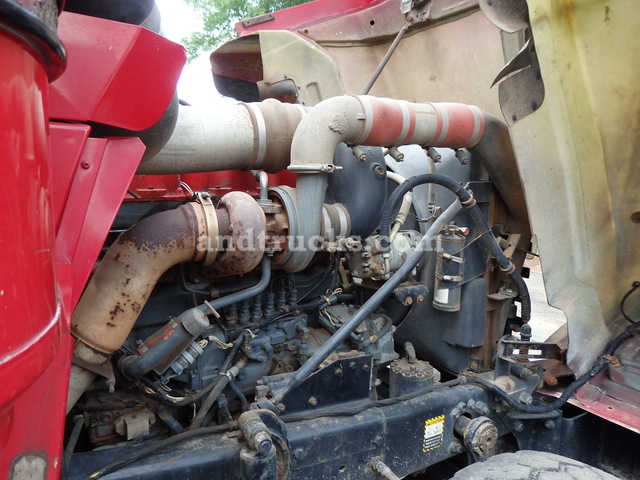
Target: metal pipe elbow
column 130, row 270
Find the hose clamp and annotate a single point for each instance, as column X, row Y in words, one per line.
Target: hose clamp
column 211, row 227
column 509, row 269
column 469, row 203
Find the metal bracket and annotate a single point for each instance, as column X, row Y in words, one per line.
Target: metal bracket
column 257, row 20
column 105, row 370
column 345, row 379
column 314, row 168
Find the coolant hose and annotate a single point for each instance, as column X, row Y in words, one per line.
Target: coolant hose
column 370, row 305
column 476, row 216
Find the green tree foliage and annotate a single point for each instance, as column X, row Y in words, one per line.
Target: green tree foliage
column 220, row 16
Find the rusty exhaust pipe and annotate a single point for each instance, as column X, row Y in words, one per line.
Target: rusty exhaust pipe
column 132, row 266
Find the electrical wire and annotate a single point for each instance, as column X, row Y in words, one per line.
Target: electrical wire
column 160, row 396
column 326, row 275
column 629, row 332
column 634, row 287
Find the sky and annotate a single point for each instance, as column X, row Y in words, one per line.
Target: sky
column 196, row 84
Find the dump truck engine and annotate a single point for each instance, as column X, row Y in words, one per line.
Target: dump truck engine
column 313, row 279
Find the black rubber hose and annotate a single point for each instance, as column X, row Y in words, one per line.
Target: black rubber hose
column 570, row 390
column 477, row 217
column 391, row 208
column 215, row 393
column 333, row 299
column 503, row 262
column 634, row 287
column 239, row 395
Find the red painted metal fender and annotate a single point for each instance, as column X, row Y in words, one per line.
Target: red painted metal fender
column 110, row 76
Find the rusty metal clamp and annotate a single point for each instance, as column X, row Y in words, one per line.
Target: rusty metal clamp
column 211, row 219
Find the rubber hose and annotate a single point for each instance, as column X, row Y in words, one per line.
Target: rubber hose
column 389, row 212
column 476, row 216
column 215, row 393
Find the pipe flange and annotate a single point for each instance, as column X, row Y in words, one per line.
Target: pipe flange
column 285, row 198
column 273, row 127
column 211, row 226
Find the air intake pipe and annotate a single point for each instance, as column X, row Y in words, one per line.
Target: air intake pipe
column 242, row 136
column 132, row 266
column 366, row 120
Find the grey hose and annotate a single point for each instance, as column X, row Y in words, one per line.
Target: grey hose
column 370, row 305
column 243, row 294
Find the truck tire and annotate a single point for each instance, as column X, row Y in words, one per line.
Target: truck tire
column 531, row 465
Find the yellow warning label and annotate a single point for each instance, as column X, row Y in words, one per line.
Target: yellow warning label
column 433, row 433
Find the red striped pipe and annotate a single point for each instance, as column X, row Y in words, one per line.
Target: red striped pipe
column 396, row 122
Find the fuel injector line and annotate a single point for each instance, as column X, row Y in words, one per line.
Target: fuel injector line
column 370, row 305
column 467, row 200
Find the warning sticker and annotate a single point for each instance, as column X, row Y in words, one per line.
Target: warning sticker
column 433, row 433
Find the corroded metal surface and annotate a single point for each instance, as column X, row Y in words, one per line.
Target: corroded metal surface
column 242, row 248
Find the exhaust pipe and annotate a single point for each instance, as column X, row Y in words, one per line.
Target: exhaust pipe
column 132, row 266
